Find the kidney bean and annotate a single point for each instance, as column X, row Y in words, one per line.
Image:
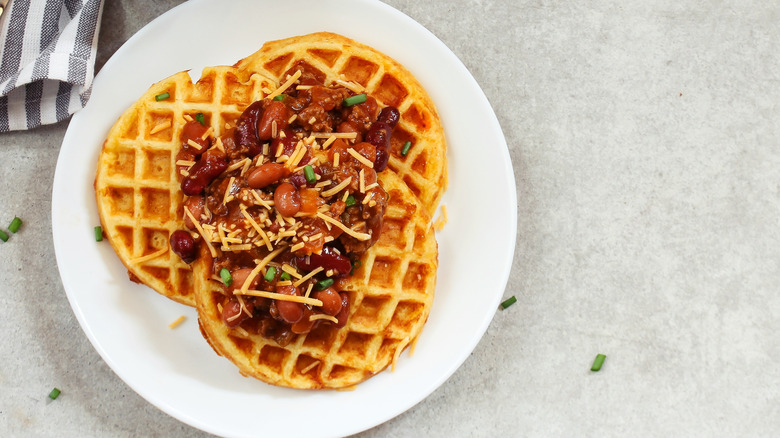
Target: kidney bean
column 211, row 165
column 287, row 141
column 277, row 112
column 233, row 308
column 266, row 174
column 299, row 179
column 184, row 245
column 246, row 128
column 382, row 156
column 344, row 313
column 327, row 259
column 331, row 301
column 289, row 311
column 287, row 199
column 389, row 115
column 379, row 134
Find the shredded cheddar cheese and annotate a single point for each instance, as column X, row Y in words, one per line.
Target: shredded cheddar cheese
column 161, row 127
column 148, row 257
column 280, row 297
column 176, row 323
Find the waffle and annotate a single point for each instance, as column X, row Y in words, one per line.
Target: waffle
column 424, row 167
column 138, row 193
column 390, row 298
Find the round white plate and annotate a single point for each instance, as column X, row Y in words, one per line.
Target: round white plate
column 175, row 369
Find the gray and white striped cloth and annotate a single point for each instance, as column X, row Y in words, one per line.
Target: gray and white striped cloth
column 47, row 60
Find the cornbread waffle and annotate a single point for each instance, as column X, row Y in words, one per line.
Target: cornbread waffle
column 342, row 60
column 138, row 193
column 390, row 294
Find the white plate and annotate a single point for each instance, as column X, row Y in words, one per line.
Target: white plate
column 175, row 369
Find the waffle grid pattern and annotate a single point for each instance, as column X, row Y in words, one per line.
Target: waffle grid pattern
column 424, row 168
column 138, row 192
column 391, row 296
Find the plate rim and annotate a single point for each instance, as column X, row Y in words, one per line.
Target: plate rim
column 507, row 258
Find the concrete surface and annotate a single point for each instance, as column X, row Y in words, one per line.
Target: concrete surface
column 644, row 137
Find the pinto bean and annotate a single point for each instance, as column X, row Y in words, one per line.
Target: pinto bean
column 239, row 278
column 194, row 131
column 232, row 314
column 289, row 311
column 287, row 199
column 331, row 301
column 277, row 112
column 266, row 174
column 195, row 205
column 344, row 313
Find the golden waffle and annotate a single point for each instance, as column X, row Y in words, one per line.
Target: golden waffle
column 390, row 298
column 138, row 193
column 424, row 168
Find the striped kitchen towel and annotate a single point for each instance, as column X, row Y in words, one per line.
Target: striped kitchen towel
column 47, row 60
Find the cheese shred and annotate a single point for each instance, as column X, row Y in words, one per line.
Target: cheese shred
column 148, row 257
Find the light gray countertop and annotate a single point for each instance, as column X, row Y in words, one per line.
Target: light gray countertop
column 645, row 139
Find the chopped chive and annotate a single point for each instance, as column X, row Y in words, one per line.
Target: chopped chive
column 354, row 100
column 98, row 234
column 54, row 394
column 324, row 284
column 284, row 277
column 405, row 149
column 3, row 236
column 350, row 201
column 355, row 265
column 308, row 172
column 279, row 97
column 226, row 277
column 201, row 118
column 508, row 302
column 270, row 274
column 163, row 96
column 598, row 362
column 15, row 224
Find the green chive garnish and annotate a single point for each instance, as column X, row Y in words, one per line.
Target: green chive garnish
column 598, row 362
column 163, row 96
column 324, row 284
column 355, row 265
column 405, row 149
column 308, row 172
column 354, row 100
column 15, row 224
column 54, row 394
column 509, row 301
column 350, row 201
column 284, row 277
column 201, row 118
column 279, row 97
column 98, row 234
column 270, row 273
column 3, row 236
column 226, row 277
